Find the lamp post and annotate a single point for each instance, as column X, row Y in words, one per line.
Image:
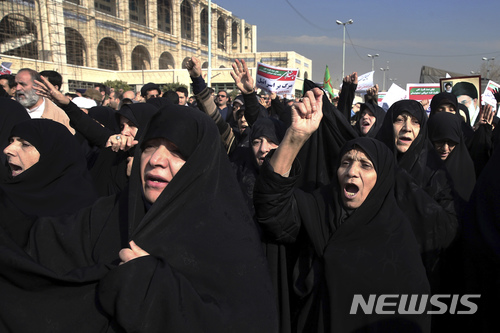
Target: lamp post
column 488, row 65
column 373, row 56
column 343, row 44
column 384, row 70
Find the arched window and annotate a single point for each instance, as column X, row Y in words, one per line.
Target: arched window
column 221, row 33
column 204, row 26
column 184, row 62
column 105, row 6
column 137, row 11
column 306, row 76
column 76, row 49
column 234, row 35
column 18, row 36
column 166, row 61
column 205, row 65
column 186, row 20
column 140, row 58
column 164, row 16
column 109, row 54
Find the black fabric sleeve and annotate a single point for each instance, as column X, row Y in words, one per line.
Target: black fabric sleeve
column 95, row 134
column 346, row 97
column 198, row 84
column 253, row 108
column 275, row 205
column 481, row 147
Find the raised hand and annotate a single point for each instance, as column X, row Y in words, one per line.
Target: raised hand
column 306, row 115
column 242, row 77
column 47, row 90
column 194, row 67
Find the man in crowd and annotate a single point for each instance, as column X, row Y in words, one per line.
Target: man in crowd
column 183, row 95
column 37, row 106
column 150, row 90
column 221, row 102
column 8, row 82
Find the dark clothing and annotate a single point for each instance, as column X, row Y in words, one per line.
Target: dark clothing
column 423, row 187
column 205, row 271
column 57, row 184
column 225, row 113
column 352, row 253
column 379, row 115
column 481, row 254
column 445, row 126
column 11, row 113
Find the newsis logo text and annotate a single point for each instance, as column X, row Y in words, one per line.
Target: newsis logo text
column 414, row 304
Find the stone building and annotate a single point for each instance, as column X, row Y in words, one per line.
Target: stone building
column 137, row 41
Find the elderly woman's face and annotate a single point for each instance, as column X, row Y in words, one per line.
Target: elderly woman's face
column 406, row 128
column 21, row 155
column 366, row 121
column 160, row 162
column 127, row 127
column 261, row 146
column 357, row 177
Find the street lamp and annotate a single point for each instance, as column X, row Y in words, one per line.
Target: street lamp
column 384, row 70
column 373, row 56
column 343, row 44
column 488, row 65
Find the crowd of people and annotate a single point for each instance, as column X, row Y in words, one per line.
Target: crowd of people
column 157, row 211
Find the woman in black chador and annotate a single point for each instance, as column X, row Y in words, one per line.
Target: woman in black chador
column 47, row 176
column 360, row 242
column 423, row 189
column 195, row 262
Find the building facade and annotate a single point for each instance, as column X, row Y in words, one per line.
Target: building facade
column 137, row 41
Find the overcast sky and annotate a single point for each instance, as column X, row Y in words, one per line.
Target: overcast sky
column 450, row 35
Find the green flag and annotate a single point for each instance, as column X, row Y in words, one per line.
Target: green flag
column 327, row 84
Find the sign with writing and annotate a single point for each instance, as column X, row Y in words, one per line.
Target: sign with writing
column 488, row 96
column 422, row 91
column 365, row 81
column 276, row 79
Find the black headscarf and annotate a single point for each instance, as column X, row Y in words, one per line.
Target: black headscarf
column 415, row 158
column 443, row 98
column 59, row 182
column 205, row 272
column 11, row 113
column 105, row 116
column 424, row 189
column 353, row 253
column 446, row 126
column 379, row 115
column 110, row 169
column 205, row 251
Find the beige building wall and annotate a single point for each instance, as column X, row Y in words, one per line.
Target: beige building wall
column 60, row 24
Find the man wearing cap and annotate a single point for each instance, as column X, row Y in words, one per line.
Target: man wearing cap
column 150, row 90
column 37, row 106
column 467, row 95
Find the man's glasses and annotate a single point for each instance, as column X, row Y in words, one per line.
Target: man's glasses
column 223, row 96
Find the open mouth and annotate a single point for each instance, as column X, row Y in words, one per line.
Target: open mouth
column 155, row 181
column 405, row 139
column 350, row 190
column 365, row 123
column 15, row 169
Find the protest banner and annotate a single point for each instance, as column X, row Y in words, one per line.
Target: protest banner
column 487, row 96
column 276, row 79
column 365, row 81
